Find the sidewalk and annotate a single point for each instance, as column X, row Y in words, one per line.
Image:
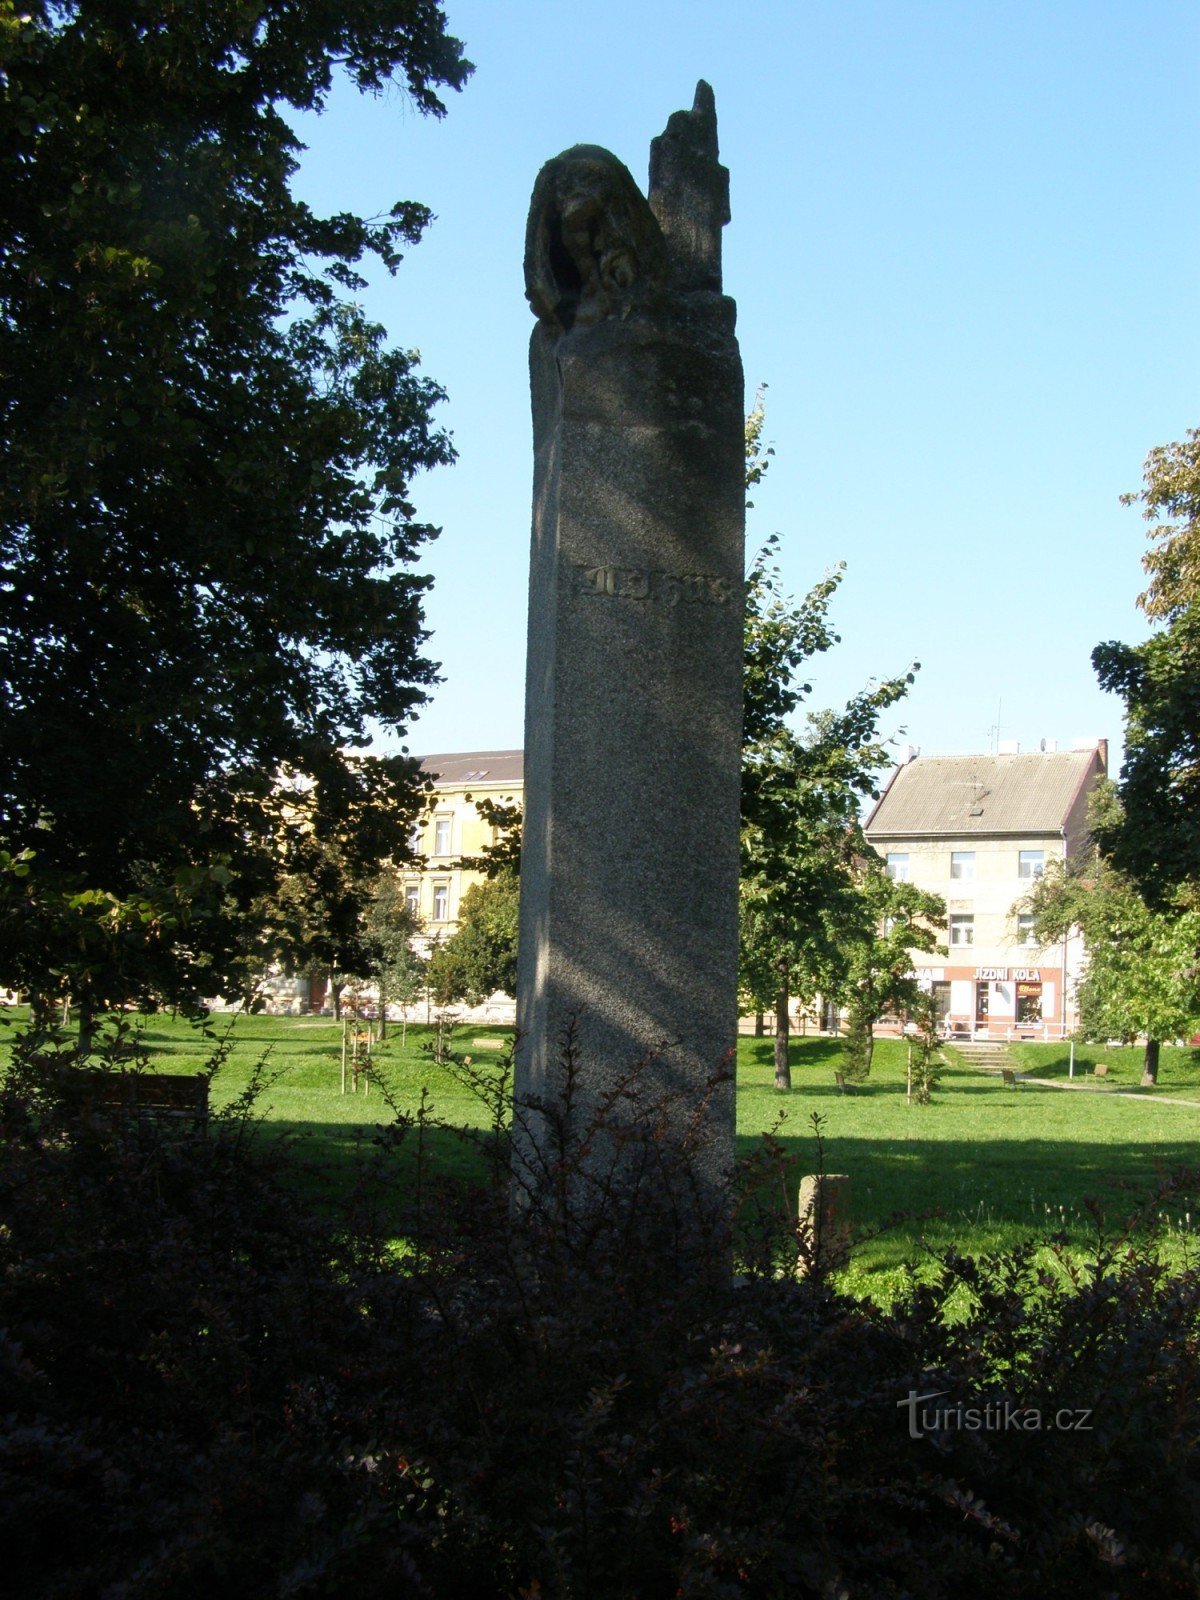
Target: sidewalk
column 1090, row 1087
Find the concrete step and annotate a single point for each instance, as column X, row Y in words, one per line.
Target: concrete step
column 986, row 1054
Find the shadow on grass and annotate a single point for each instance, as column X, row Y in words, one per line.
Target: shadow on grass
column 803, row 1054
column 988, row 1191
column 331, row 1165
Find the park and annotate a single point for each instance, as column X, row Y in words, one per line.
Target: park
column 983, row 1169
column 624, row 1301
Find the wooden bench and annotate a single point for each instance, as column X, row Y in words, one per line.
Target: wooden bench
column 1100, row 1070
column 155, row 1094
column 1009, row 1077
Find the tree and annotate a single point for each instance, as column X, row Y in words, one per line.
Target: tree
column 205, row 524
column 897, row 919
column 388, row 929
column 481, row 955
column 802, row 837
column 925, row 1059
column 1155, row 838
column 1142, row 976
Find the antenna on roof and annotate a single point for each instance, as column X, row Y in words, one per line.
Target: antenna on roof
column 994, row 731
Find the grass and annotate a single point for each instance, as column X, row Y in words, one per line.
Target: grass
column 1178, row 1069
column 983, row 1166
column 980, row 1169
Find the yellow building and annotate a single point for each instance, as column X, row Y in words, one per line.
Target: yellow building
column 452, row 829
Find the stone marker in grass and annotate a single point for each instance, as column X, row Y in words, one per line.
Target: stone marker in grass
column 629, row 872
column 823, row 1222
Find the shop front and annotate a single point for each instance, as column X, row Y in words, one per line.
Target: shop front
column 1000, row 1002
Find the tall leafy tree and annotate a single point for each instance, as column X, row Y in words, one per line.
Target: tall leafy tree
column 205, row 524
column 480, row 957
column 388, row 929
column 1156, row 836
column 802, row 840
column 897, row 919
column 1143, row 976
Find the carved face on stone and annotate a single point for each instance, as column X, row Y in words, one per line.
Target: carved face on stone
column 592, row 247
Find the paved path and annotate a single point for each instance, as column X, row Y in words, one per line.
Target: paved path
column 1104, row 1088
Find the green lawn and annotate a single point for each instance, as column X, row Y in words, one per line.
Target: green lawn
column 1178, row 1069
column 980, row 1168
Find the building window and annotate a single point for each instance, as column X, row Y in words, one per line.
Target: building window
column 412, row 899
column 962, row 864
column 441, row 836
column 962, row 930
column 1031, row 863
column 441, row 902
column 1029, row 1003
column 414, row 839
column 939, row 993
column 897, row 866
column 889, row 924
column 1025, row 933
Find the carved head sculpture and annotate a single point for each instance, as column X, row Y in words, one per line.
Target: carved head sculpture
column 592, row 247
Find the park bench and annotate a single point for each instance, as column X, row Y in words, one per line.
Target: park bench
column 1009, row 1078
column 1100, row 1070
column 133, row 1094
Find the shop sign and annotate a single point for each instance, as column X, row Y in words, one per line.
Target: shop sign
column 995, row 974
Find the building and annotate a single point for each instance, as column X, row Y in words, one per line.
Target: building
column 452, row 829
column 979, row 831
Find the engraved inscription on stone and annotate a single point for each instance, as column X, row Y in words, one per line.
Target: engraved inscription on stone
column 631, row 583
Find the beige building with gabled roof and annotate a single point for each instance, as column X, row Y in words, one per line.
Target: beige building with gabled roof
column 979, row 831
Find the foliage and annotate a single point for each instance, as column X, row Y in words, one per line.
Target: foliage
column 205, row 1386
column 388, row 929
column 925, row 1059
column 802, row 840
column 314, row 920
column 1157, row 839
column 1171, row 491
column 481, row 955
column 1142, row 973
column 897, row 919
column 205, row 524
column 504, row 852
column 758, row 453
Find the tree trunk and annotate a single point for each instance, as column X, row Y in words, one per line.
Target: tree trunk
column 760, row 1023
column 868, row 1046
column 335, row 989
column 783, row 1069
column 87, row 1028
column 1150, row 1061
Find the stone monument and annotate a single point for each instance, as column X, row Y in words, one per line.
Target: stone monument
column 629, row 876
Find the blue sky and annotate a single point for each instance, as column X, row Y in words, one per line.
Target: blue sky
column 964, row 249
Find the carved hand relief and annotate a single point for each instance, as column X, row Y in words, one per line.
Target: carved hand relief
column 592, row 246
column 634, row 583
